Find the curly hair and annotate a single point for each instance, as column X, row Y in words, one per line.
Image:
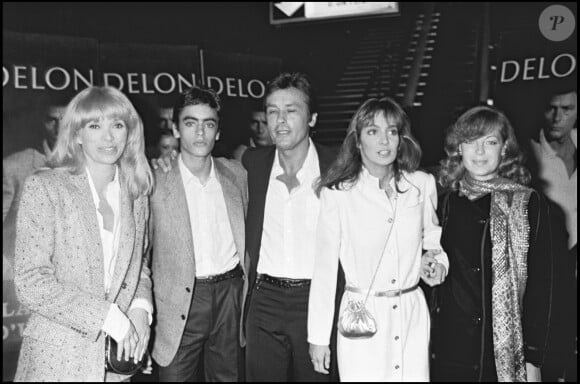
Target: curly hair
column 473, row 124
column 345, row 170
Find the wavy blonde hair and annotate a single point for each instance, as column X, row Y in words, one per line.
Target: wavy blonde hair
column 95, row 104
column 473, row 124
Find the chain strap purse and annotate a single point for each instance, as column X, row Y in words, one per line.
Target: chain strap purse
column 355, row 321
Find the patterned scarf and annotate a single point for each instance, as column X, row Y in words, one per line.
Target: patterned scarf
column 510, row 241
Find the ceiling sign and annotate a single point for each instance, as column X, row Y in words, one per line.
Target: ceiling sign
column 290, row 12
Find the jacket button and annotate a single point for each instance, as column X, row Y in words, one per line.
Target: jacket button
column 476, row 320
column 187, row 289
column 124, row 285
column 182, row 317
column 476, row 269
column 475, row 367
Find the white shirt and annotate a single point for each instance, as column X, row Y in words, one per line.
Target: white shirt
column 116, row 323
column 289, row 231
column 211, row 231
column 354, row 226
column 560, row 187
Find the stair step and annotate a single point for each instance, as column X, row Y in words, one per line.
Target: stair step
column 337, row 104
column 349, row 96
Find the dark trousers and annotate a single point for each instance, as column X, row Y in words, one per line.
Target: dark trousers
column 276, row 335
column 212, row 331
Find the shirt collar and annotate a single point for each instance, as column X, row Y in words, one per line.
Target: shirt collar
column 115, row 184
column 546, row 148
column 310, row 167
column 188, row 176
column 373, row 181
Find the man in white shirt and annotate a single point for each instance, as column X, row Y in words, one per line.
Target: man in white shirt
column 555, row 152
column 281, row 229
column 198, row 262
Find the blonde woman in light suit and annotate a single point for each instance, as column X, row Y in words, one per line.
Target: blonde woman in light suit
column 80, row 239
column 377, row 209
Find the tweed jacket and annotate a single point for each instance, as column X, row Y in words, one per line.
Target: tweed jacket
column 59, row 276
column 173, row 258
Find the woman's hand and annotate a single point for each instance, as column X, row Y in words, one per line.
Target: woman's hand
column 320, row 357
column 128, row 344
column 140, row 320
column 432, row 272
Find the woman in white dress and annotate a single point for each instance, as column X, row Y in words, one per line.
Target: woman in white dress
column 374, row 188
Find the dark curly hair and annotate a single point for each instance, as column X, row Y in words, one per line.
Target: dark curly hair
column 473, row 124
column 345, row 170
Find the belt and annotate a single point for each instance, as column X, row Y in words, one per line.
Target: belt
column 392, row 293
column 283, row 282
column 236, row 272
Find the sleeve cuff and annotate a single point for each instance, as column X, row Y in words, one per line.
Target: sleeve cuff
column 116, row 323
column 443, row 260
column 145, row 305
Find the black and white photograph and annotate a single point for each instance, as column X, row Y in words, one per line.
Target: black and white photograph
column 289, row 191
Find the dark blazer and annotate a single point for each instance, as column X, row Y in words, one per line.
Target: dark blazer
column 258, row 162
column 462, row 333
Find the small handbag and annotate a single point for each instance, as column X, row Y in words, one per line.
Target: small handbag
column 355, row 321
column 122, row 367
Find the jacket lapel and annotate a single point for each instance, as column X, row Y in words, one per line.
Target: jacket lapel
column 234, row 205
column 85, row 206
column 126, row 242
column 176, row 204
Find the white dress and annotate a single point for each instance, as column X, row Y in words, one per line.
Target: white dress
column 353, row 226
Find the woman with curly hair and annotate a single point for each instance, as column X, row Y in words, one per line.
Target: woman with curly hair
column 377, row 215
column 492, row 313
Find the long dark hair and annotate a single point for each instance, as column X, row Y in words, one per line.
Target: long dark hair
column 345, row 170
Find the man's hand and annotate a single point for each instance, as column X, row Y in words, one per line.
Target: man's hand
column 140, row 320
column 128, row 344
column 432, row 272
column 164, row 162
column 320, row 357
column 148, row 366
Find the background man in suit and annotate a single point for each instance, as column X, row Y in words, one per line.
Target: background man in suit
column 198, row 262
column 281, row 228
column 259, row 135
column 17, row 167
column 555, row 163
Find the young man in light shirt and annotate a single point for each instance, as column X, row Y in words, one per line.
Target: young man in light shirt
column 198, row 263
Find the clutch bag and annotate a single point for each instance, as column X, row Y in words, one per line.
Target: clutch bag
column 122, row 367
